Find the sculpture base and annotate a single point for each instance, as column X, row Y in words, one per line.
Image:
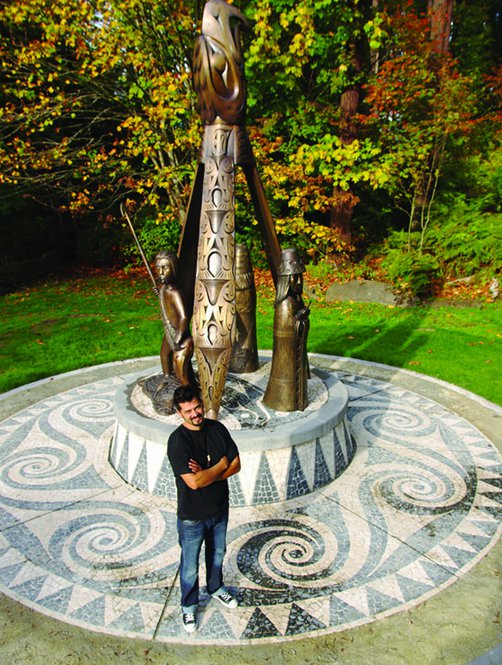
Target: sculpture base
column 283, row 455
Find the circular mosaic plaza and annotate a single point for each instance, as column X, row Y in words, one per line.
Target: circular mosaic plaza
column 418, row 506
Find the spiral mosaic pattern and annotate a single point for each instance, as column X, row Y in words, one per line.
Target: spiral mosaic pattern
column 287, row 554
column 418, row 507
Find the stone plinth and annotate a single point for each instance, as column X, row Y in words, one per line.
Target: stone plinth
column 283, row 455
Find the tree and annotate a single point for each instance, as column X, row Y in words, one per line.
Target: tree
column 440, row 15
column 310, row 59
column 98, row 105
column 477, row 36
column 344, row 98
column 420, row 104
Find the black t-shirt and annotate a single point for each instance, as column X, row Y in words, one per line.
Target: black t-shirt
column 206, row 446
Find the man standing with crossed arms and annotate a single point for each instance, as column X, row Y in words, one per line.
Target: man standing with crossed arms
column 202, row 455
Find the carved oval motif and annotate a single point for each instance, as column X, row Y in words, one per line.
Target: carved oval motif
column 217, row 197
column 212, row 333
column 214, row 263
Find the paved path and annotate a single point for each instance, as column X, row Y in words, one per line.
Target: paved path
column 403, row 528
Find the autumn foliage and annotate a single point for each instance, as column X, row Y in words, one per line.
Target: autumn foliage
column 97, row 108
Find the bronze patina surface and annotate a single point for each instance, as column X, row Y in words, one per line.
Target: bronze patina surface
column 287, row 385
column 245, row 349
column 177, row 345
column 207, row 245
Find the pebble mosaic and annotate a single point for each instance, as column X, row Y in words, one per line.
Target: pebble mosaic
column 284, row 455
column 418, row 506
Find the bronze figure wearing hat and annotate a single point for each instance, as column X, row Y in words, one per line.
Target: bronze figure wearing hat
column 287, row 385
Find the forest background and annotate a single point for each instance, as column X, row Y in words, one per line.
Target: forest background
column 376, row 126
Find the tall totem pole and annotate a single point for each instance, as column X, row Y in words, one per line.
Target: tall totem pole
column 207, row 245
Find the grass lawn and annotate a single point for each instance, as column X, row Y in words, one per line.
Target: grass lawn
column 63, row 325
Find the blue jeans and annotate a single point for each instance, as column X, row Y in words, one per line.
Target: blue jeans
column 192, row 533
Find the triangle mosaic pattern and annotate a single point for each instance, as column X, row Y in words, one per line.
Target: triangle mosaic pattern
column 271, row 475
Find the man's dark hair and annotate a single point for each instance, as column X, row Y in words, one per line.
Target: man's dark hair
column 184, row 394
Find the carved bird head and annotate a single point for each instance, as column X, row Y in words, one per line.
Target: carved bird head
column 217, row 23
column 218, row 64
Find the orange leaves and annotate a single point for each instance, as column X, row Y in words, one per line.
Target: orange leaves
column 317, row 240
column 79, row 201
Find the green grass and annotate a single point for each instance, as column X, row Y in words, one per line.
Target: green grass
column 63, row 325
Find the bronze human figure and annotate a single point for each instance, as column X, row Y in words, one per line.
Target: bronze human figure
column 245, row 351
column 287, row 385
column 177, row 345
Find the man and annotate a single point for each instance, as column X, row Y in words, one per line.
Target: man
column 177, row 345
column 202, row 455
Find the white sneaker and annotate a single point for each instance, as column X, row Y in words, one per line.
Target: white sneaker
column 189, row 622
column 226, row 599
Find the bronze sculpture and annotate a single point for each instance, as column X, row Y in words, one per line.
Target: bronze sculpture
column 245, row 350
column 219, row 66
column 177, row 345
column 207, row 245
column 220, row 302
column 287, row 385
column 176, row 350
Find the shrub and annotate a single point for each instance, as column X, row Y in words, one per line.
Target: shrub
column 467, row 242
column 154, row 234
column 463, row 242
column 407, row 268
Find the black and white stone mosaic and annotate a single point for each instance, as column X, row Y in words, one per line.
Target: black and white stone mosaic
column 418, row 507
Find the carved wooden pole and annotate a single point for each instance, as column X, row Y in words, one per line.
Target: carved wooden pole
column 219, row 82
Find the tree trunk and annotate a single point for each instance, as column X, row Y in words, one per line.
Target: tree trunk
column 374, row 52
column 441, row 14
column 342, row 212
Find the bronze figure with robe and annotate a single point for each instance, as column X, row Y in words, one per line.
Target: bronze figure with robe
column 287, row 385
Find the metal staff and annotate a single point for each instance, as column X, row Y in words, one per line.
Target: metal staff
column 169, row 329
column 147, row 265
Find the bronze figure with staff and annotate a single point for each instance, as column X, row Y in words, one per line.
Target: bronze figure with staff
column 177, row 345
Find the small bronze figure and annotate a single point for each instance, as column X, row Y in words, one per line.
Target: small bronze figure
column 245, row 351
column 287, row 384
column 177, row 345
